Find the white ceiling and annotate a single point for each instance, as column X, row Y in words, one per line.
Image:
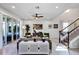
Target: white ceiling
column 26, row 10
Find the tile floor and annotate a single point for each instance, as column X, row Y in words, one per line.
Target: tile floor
column 57, row 49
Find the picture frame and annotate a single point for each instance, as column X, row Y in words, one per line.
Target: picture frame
column 50, row 26
column 55, row 26
column 38, row 26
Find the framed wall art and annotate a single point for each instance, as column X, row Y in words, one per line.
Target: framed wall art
column 50, row 26
column 55, row 26
column 38, row 26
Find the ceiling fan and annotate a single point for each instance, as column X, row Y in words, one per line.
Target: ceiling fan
column 37, row 15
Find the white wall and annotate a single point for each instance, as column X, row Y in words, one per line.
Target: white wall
column 64, row 17
column 53, row 32
column 74, row 43
column 69, row 17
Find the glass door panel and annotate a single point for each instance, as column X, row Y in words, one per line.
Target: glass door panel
column 17, row 30
column 9, row 32
column 4, row 30
column 14, row 30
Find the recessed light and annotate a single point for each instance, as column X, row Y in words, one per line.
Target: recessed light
column 68, row 10
column 56, row 6
column 13, row 6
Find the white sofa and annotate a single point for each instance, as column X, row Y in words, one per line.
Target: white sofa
column 31, row 47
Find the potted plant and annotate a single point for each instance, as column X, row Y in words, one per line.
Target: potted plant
column 27, row 28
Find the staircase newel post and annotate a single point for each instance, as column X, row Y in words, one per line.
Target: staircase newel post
column 68, row 39
column 59, row 37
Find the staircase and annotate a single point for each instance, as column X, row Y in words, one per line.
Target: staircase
column 66, row 37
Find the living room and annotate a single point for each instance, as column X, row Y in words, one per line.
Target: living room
column 41, row 21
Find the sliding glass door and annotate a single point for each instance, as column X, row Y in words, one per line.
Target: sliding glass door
column 10, row 30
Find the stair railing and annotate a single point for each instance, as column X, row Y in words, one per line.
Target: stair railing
column 62, row 33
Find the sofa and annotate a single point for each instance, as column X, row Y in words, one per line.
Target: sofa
column 33, row 47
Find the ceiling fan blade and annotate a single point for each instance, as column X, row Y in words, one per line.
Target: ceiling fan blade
column 40, row 16
column 37, row 15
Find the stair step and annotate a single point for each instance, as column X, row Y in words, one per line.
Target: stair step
column 64, row 43
column 65, row 40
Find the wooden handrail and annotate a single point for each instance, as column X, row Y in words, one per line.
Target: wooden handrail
column 73, row 29
column 69, row 24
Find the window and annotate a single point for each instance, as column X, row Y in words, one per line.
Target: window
column 65, row 25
